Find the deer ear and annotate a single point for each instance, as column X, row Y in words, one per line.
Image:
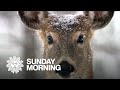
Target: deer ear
column 33, row 19
column 101, row 18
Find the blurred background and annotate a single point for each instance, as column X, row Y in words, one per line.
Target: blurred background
column 17, row 40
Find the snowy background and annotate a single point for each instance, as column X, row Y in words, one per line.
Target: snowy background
column 16, row 40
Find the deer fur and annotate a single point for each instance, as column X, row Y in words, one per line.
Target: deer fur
column 65, row 31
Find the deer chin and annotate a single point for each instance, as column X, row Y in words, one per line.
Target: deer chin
column 77, row 75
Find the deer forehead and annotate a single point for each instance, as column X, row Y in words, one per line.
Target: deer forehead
column 67, row 22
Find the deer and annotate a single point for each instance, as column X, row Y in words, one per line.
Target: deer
column 67, row 39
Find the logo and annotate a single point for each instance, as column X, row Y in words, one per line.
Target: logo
column 14, row 64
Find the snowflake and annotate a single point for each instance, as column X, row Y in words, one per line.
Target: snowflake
column 14, row 64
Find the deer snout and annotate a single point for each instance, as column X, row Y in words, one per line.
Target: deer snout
column 66, row 69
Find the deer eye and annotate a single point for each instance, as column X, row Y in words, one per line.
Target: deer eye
column 50, row 40
column 80, row 39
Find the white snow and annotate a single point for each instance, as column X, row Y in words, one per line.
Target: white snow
column 65, row 21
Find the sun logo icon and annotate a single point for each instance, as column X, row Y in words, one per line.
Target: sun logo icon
column 14, row 64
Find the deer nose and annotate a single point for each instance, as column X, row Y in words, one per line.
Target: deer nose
column 66, row 69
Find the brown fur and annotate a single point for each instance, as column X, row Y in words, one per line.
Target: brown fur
column 65, row 46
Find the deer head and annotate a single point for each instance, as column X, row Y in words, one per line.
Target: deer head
column 67, row 39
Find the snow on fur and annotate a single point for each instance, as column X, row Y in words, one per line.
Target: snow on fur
column 65, row 22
